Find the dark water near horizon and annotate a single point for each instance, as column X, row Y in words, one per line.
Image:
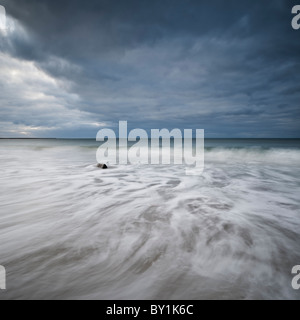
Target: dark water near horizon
column 209, row 142
column 71, row 231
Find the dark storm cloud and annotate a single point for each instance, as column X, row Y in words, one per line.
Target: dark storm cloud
column 231, row 67
column 84, row 29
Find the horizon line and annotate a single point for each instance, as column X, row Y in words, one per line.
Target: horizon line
column 219, row 138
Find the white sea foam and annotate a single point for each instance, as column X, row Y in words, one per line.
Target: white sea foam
column 71, row 231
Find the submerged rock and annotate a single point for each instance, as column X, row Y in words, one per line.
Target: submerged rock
column 102, row 166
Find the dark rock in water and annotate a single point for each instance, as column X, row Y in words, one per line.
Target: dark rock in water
column 102, row 166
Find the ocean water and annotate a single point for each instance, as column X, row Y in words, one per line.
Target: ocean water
column 69, row 230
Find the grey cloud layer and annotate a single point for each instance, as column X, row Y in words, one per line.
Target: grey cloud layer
column 231, row 67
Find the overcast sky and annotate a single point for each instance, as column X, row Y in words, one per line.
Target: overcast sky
column 70, row 67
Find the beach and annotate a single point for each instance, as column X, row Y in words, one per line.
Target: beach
column 69, row 230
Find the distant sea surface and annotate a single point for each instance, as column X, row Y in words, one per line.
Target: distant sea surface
column 69, row 230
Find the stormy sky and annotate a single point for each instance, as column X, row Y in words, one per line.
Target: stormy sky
column 69, row 68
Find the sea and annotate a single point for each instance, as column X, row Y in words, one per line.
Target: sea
column 69, row 230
